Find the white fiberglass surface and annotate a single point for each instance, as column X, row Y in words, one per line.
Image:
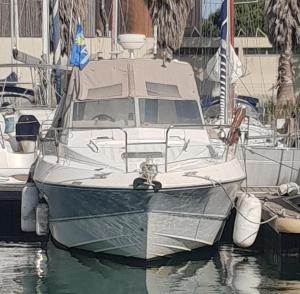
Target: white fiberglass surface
column 185, row 147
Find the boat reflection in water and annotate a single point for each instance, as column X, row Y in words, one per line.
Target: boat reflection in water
column 27, row 269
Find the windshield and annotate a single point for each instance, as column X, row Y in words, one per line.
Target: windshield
column 158, row 112
column 213, row 111
column 117, row 112
column 8, row 101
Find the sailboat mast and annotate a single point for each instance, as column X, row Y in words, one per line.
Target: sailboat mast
column 12, row 28
column 45, row 30
column 16, row 23
column 114, row 29
column 228, row 41
column 224, row 58
column 45, row 46
column 231, row 104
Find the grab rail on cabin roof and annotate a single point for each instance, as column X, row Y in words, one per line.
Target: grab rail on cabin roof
column 44, row 139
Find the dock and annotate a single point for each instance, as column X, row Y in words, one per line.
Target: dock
column 281, row 236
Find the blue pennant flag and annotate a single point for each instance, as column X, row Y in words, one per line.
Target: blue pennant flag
column 79, row 54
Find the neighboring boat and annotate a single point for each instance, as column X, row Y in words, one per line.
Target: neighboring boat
column 128, row 168
column 22, row 111
column 261, row 148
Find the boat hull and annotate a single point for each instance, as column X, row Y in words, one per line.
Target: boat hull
column 138, row 223
column 277, row 165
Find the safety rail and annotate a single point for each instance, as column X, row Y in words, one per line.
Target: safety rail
column 165, row 142
column 274, row 136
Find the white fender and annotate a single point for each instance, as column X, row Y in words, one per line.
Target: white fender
column 42, row 219
column 289, row 189
column 247, row 220
column 30, row 200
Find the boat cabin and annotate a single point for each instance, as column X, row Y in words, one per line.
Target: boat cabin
column 128, row 93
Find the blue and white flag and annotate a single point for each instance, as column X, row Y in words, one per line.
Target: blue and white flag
column 79, row 54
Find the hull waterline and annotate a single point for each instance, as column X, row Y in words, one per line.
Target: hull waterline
column 140, row 224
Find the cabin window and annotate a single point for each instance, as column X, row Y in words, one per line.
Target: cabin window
column 107, row 91
column 162, row 90
column 158, row 112
column 116, row 112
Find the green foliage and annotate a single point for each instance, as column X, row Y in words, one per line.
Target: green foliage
column 210, row 26
column 247, row 19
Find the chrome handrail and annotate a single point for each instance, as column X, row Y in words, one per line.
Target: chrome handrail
column 165, row 142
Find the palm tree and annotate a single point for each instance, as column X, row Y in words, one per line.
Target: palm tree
column 170, row 16
column 69, row 12
column 283, row 20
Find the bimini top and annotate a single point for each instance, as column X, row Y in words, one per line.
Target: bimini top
column 134, row 78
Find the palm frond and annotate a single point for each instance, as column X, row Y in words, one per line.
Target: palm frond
column 170, row 16
column 69, row 12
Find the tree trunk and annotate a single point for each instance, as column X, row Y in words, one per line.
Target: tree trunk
column 285, row 91
column 138, row 18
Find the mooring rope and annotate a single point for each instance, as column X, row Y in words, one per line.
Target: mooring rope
column 214, row 182
column 268, row 158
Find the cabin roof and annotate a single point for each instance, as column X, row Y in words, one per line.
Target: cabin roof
column 134, row 78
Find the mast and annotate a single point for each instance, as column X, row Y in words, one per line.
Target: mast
column 45, row 47
column 12, row 28
column 231, row 104
column 57, row 47
column 114, row 27
column 228, row 58
column 45, row 31
column 224, row 72
column 227, row 39
column 16, row 23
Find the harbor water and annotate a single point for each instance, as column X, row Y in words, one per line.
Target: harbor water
column 26, row 268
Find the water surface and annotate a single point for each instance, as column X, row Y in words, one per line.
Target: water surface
column 26, row 268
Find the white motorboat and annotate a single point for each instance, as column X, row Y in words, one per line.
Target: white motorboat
column 128, row 168
column 22, row 112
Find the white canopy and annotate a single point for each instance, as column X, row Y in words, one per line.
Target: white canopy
column 134, row 78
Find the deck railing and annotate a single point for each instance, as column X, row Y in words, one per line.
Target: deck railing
column 46, row 136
